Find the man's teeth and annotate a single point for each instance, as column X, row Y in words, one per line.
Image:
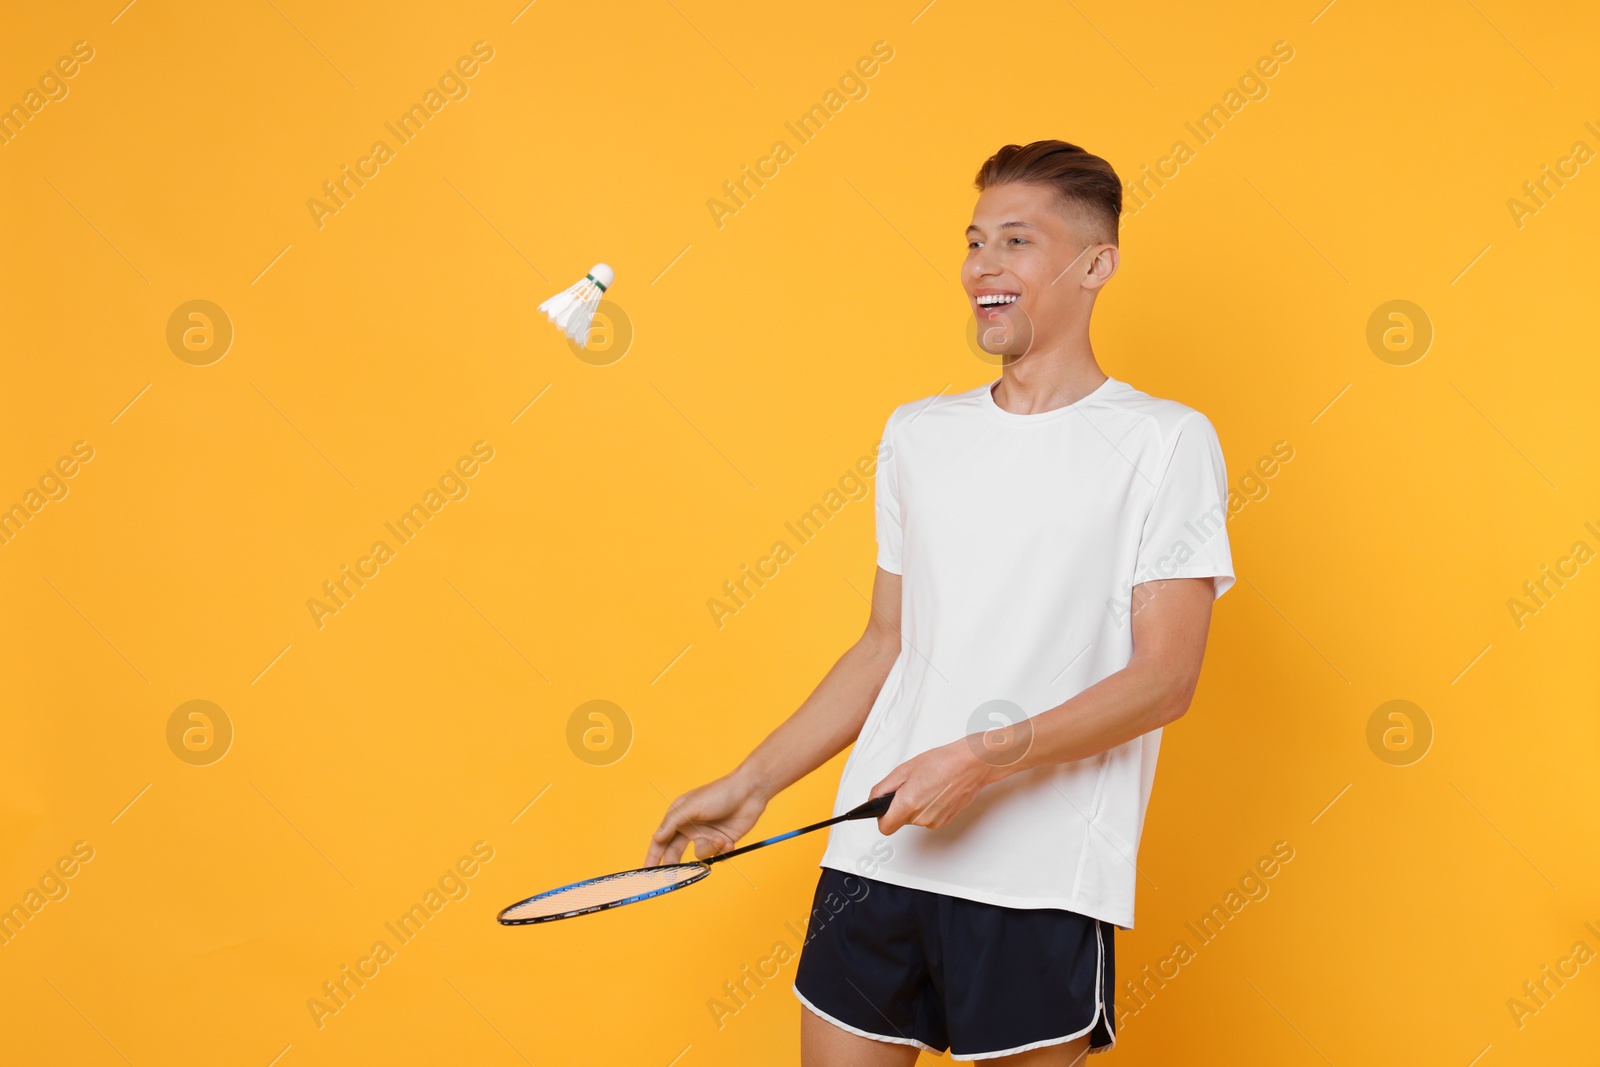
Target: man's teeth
column 993, row 300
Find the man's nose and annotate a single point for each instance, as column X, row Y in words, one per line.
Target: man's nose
column 983, row 264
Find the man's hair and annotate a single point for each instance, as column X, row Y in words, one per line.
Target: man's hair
column 1087, row 189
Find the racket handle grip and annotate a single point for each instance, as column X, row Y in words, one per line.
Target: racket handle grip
column 872, row 808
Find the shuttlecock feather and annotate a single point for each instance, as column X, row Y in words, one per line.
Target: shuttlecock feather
column 573, row 309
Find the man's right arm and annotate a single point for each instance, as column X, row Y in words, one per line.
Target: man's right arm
column 717, row 814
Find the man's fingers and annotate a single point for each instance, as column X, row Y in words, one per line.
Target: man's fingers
column 667, row 836
column 708, row 845
column 672, row 851
column 928, row 815
column 673, row 822
column 659, row 848
column 895, row 817
column 903, row 811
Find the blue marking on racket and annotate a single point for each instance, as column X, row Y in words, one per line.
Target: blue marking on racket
column 643, row 883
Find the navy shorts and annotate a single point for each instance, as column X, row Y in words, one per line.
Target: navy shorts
column 935, row 971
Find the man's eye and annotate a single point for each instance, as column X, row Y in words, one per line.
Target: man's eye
column 1020, row 240
column 971, row 245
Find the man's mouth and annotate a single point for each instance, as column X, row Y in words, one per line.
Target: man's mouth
column 994, row 304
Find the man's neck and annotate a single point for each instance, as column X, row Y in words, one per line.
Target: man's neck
column 1052, row 378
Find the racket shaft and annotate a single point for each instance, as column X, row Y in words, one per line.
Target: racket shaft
column 870, row 810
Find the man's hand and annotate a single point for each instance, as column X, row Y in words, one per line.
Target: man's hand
column 713, row 816
column 933, row 788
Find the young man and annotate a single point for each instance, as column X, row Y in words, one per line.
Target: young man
column 1049, row 547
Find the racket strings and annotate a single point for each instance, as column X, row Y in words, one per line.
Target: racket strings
column 604, row 892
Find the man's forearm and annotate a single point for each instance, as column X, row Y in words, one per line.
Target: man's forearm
column 1133, row 701
column 822, row 727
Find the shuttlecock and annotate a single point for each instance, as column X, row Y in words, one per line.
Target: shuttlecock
column 573, row 309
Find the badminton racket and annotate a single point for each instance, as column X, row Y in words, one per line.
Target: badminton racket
column 644, row 883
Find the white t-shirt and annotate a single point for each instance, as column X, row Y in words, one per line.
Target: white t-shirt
column 1019, row 539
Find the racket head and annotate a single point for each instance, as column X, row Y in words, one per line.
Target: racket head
column 599, row 894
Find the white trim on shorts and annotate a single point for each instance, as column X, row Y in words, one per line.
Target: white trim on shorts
column 1099, row 1010
column 819, row 1013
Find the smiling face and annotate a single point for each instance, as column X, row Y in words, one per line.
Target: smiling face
column 1030, row 274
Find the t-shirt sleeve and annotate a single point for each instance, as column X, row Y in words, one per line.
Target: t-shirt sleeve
column 887, row 500
column 1185, row 534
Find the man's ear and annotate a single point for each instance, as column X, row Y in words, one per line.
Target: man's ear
column 1102, row 266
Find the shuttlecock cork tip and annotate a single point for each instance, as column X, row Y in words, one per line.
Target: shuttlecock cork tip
column 602, row 274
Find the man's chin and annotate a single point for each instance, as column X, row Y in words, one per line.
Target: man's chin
column 1003, row 339
column 1007, row 350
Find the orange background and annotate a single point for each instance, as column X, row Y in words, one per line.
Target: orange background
column 371, row 753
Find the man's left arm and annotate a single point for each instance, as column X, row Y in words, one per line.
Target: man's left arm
column 1154, row 689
